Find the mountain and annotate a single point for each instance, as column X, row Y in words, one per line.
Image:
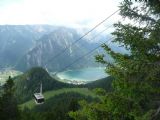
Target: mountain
column 49, row 46
column 16, row 40
column 29, row 83
column 59, row 102
column 104, row 83
column 25, row 46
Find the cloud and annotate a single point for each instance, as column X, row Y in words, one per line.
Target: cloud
column 58, row 12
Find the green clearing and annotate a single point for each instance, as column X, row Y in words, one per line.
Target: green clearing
column 84, row 91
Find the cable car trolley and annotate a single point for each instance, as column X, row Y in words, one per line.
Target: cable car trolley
column 39, row 98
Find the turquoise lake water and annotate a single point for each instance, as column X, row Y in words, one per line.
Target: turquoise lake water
column 85, row 74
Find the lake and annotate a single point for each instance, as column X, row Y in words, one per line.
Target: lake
column 85, row 74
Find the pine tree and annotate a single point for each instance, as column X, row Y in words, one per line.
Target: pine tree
column 8, row 105
column 136, row 93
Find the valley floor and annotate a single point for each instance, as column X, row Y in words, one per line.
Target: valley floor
column 6, row 73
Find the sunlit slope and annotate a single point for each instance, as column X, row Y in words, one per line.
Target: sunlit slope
column 49, row 94
column 29, row 83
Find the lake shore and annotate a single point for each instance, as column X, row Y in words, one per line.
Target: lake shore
column 80, row 76
column 75, row 82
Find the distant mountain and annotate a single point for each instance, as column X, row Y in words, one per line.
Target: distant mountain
column 49, row 46
column 25, row 46
column 16, row 40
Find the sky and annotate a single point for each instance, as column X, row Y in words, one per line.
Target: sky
column 76, row 13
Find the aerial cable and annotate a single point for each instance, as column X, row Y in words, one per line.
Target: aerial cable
column 88, row 53
column 61, row 52
column 81, row 57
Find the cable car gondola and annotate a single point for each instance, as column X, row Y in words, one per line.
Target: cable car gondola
column 39, row 98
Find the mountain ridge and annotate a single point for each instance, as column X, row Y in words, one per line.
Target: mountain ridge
column 51, row 45
column 29, row 82
column 16, row 40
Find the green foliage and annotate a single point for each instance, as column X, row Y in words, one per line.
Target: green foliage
column 99, row 91
column 5, row 73
column 93, row 111
column 29, row 83
column 8, row 104
column 105, row 83
column 136, row 92
column 56, row 107
column 49, row 94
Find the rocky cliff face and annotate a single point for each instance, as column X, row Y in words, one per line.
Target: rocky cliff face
column 16, row 40
column 48, row 51
column 26, row 46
